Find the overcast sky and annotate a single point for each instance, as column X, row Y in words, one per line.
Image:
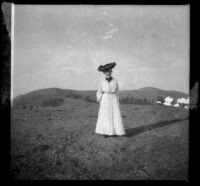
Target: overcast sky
column 63, row 45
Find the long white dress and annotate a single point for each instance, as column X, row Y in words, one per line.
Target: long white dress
column 109, row 120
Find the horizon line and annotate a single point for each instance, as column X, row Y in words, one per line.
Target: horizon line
column 96, row 90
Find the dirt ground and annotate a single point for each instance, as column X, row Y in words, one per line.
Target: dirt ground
column 60, row 143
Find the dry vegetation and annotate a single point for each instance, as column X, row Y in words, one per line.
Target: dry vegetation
column 58, row 142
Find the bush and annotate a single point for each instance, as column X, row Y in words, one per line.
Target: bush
column 161, row 99
column 73, row 95
column 87, row 98
column 52, row 102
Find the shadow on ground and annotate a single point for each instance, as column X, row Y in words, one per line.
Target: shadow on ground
column 135, row 131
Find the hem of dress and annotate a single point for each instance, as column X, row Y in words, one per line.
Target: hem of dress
column 111, row 134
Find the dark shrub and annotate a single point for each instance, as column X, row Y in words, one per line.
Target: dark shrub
column 53, row 102
column 73, row 95
column 161, row 99
column 89, row 99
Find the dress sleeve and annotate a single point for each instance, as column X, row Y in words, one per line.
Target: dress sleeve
column 117, row 88
column 99, row 92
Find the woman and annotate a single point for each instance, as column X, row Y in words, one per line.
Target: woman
column 109, row 120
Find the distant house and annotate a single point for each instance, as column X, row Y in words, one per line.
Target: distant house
column 167, row 104
column 159, row 102
column 176, row 105
column 183, row 102
column 168, row 101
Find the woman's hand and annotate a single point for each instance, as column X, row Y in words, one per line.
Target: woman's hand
column 108, row 92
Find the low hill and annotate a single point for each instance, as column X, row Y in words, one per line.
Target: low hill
column 38, row 96
column 152, row 93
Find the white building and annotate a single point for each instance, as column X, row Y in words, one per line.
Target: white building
column 183, row 101
column 176, row 105
column 168, row 101
column 167, row 104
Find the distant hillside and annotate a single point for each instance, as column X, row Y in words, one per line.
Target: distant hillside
column 152, row 93
column 38, row 96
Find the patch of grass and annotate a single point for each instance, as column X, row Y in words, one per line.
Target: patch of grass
column 89, row 99
column 153, row 112
column 73, row 95
column 66, row 147
column 53, row 102
column 91, row 116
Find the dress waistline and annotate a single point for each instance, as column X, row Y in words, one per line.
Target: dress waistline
column 109, row 92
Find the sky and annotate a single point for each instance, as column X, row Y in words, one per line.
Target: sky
column 63, row 45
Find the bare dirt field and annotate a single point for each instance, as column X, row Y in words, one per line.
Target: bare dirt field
column 60, row 143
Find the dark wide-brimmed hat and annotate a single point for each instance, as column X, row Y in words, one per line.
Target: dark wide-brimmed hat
column 106, row 67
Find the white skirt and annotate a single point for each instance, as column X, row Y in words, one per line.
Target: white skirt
column 109, row 121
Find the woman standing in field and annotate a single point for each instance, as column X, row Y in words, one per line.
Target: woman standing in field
column 109, row 120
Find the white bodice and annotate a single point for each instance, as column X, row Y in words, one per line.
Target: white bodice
column 106, row 87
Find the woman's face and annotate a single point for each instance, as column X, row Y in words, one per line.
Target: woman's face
column 108, row 73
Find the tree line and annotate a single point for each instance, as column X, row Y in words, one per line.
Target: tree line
column 124, row 100
column 135, row 100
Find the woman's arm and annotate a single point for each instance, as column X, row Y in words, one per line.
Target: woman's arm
column 117, row 87
column 99, row 93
